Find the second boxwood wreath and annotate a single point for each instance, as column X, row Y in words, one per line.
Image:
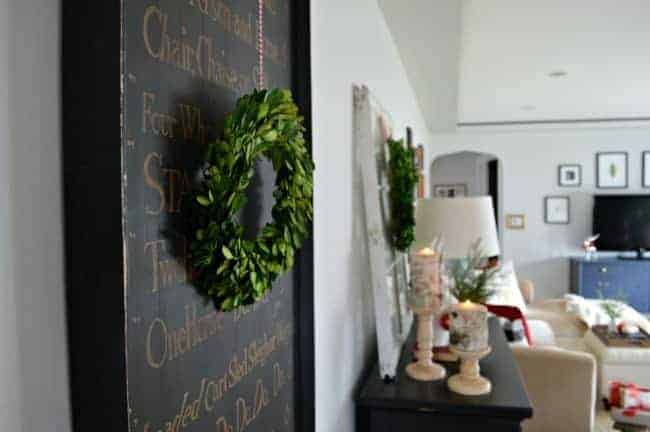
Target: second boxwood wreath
column 403, row 178
column 231, row 269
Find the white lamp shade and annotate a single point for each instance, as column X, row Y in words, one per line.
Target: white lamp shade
column 460, row 222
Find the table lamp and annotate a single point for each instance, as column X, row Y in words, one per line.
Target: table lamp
column 459, row 222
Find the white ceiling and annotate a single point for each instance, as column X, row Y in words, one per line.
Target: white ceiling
column 492, row 64
column 509, row 48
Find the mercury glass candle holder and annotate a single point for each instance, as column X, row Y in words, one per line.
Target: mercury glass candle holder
column 468, row 327
column 468, row 338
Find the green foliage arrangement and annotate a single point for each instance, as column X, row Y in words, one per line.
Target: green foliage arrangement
column 232, row 270
column 403, row 178
column 613, row 307
column 471, row 281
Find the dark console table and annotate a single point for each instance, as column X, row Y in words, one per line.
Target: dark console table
column 612, row 276
column 414, row 406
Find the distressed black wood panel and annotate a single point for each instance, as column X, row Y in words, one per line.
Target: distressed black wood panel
column 145, row 86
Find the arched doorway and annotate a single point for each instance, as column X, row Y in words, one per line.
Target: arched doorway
column 468, row 173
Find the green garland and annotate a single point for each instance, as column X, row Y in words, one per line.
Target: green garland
column 232, row 270
column 403, row 178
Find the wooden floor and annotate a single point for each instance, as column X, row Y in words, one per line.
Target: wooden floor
column 603, row 422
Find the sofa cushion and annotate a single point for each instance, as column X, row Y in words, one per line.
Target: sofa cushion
column 590, row 312
column 506, row 287
column 564, row 325
column 541, row 332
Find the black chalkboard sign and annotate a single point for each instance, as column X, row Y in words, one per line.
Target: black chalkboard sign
column 145, row 86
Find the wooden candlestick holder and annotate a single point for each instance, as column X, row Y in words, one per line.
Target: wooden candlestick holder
column 469, row 381
column 424, row 369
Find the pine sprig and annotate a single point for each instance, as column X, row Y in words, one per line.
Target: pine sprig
column 471, row 281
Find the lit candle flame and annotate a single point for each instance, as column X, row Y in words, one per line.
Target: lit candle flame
column 427, row 251
column 468, row 304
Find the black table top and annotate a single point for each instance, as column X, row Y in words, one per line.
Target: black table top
column 507, row 399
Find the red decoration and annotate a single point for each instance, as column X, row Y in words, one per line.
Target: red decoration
column 512, row 313
column 444, row 321
column 630, row 397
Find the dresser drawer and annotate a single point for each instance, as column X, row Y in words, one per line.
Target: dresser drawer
column 604, row 270
column 600, row 279
column 613, row 278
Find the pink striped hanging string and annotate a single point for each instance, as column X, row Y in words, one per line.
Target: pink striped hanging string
column 260, row 43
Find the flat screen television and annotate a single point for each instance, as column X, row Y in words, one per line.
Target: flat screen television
column 623, row 222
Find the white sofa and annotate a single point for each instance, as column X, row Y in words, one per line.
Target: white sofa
column 562, row 376
column 561, row 385
column 560, row 380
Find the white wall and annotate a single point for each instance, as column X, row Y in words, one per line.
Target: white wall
column 509, row 47
column 33, row 368
column 351, row 44
column 530, row 159
column 427, row 35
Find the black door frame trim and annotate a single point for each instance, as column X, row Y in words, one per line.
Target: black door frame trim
column 304, row 294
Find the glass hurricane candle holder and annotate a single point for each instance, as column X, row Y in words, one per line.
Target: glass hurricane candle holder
column 424, row 300
column 468, row 327
column 468, row 338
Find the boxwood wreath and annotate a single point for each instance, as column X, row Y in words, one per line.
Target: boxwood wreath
column 402, row 178
column 229, row 268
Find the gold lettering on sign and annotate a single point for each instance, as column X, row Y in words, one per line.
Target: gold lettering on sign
column 212, row 390
column 167, row 272
column 188, row 123
column 192, row 123
column 280, row 379
column 197, row 55
column 170, row 184
column 224, row 426
column 164, row 344
column 159, row 124
column 244, row 28
column 153, row 183
column 247, row 413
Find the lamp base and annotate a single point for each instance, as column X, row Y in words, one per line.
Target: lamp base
column 425, row 372
column 469, row 381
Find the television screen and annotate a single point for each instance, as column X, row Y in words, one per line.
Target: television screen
column 623, row 222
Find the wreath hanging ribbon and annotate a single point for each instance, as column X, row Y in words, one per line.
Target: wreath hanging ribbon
column 231, row 269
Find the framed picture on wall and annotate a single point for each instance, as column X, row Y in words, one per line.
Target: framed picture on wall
column 516, row 221
column 557, row 210
column 570, row 175
column 421, row 186
column 419, row 157
column 611, row 170
column 450, row 191
column 645, row 179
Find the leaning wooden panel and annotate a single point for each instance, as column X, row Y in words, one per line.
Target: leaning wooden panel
column 387, row 268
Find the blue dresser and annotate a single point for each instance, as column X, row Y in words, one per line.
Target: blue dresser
column 611, row 276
